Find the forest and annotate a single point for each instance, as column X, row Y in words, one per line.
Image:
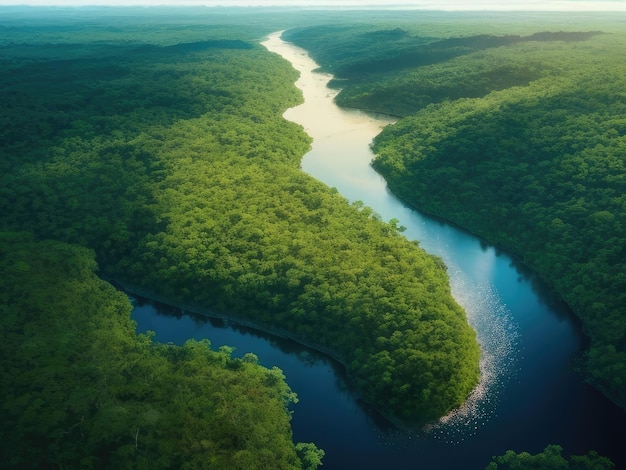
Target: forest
column 550, row 458
column 82, row 389
column 516, row 132
column 159, row 144
column 148, row 148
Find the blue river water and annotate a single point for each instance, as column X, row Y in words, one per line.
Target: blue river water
column 529, row 396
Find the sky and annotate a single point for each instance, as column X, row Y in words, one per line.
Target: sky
column 499, row 5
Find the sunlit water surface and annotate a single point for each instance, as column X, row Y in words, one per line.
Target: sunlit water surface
column 528, row 396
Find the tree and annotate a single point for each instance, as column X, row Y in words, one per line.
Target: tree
column 549, row 459
column 310, row 456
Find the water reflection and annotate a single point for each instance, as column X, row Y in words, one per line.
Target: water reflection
column 325, row 401
column 175, row 325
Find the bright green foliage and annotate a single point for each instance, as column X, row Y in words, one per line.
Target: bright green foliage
column 171, row 161
column 549, row 459
column 80, row 388
column 310, row 456
column 519, row 137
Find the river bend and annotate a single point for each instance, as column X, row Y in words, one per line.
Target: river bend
column 529, row 395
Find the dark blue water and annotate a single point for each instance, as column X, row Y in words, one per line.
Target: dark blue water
column 529, row 397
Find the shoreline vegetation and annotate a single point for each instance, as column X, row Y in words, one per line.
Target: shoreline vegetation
column 526, row 151
column 205, row 312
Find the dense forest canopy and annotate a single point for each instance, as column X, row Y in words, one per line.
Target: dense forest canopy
column 153, row 140
column 80, row 388
column 516, row 131
column 550, row 458
column 161, row 146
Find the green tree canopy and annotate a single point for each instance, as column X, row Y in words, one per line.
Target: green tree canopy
column 549, row 459
column 80, row 388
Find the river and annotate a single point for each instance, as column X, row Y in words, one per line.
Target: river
column 529, row 394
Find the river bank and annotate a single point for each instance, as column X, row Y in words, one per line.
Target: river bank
column 532, row 396
column 234, row 321
column 135, row 291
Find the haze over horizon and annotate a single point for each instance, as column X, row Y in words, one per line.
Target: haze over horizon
column 480, row 5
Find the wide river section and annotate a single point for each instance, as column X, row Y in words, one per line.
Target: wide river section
column 529, row 396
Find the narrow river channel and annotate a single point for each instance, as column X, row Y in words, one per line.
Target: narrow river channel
column 529, row 396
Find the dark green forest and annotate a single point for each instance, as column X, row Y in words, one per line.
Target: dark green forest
column 515, row 131
column 550, row 458
column 81, row 389
column 158, row 142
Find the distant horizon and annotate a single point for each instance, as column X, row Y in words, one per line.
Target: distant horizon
column 446, row 5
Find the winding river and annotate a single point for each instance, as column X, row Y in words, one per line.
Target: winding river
column 529, row 395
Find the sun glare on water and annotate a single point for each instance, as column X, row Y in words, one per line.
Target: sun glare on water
column 499, row 340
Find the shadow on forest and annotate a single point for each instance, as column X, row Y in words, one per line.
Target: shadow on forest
column 446, row 49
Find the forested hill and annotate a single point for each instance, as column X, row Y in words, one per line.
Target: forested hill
column 516, row 131
column 161, row 145
column 394, row 71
